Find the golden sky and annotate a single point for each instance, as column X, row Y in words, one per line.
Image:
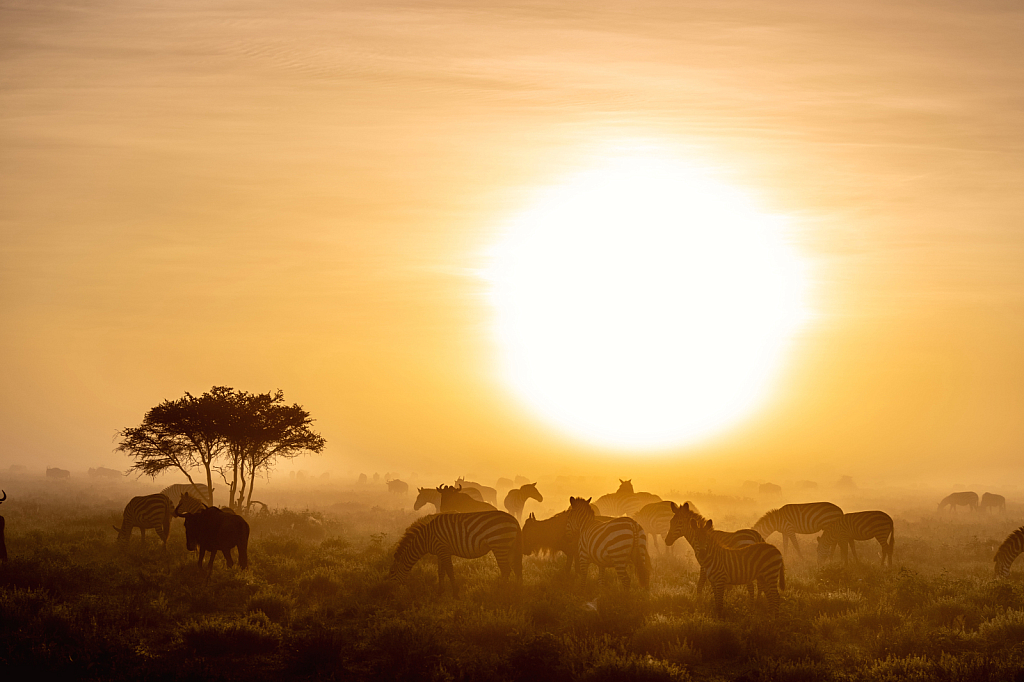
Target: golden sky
column 298, row 195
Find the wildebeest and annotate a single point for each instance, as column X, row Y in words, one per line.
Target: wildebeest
column 488, row 494
column 769, row 489
column 146, row 511
column 624, row 500
column 456, row 500
column 215, row 530
column 3, row 544
column 398, row 487
column 993, row 501
column 57, row 474
column 965, row 499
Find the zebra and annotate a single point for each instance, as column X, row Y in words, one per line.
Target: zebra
column 790, row 519
column 656, row 518
column 517, row 497
column 1008, row 552
column 613, row 543
column 146, row 511
column 488, row 494
column 624, row 501
column 680, row 527
column 760, row 561
column 965, row 499
column 857, row 526
column 470, row 536
column 188, row 505
column 454, row 500
column 428, row 496
column 994, row 501
column 196, row 490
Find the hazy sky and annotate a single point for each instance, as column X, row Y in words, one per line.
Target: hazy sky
column 299, row 195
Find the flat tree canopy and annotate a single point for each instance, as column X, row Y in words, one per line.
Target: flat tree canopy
column 234, row 433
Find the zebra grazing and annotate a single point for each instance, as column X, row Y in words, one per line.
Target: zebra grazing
column 517, row 497
column 790, row 519
column 965, row 499
column 680, row 527
column 610, row 544
column 147, row 511
column 469, row 536
column 428, row 496
column 991, row 500
column 863, row 525
column 197, row 490
column 488, row 494
column 1008, row 552
column 761, row 562
column 454, row 500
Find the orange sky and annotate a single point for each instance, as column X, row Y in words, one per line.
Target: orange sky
column 298, row 194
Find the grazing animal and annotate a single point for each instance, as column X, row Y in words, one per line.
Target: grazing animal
column 104, row 472
column 188, row 505
column 680, row 527
column 517, row 497
column 3, row 543
column 656, row 518
column 454, row 500
column 215, row 530
column 624, row 501
column 993, row 501
column 863, row 525
column 196, row 490
column 761, row 562
column 612, row 544
column 57, row 474
column 769, row 489
column 398, row 487
column 146, row 511
column 428, row 496
column 469, row 536
column 488, row 494
column 1008, row 552
column 791, row 519
column 965, row 499
column 504, row 483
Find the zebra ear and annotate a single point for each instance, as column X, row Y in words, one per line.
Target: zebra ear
column 532, row 517
column 708, row 525
column 589, row 499
column 686, row 506
column 675, row 507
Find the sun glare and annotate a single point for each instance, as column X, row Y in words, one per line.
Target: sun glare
column 644, row 304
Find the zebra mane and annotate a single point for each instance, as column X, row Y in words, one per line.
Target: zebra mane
column 413, row 530
column 765, row 516
column 1009, row 547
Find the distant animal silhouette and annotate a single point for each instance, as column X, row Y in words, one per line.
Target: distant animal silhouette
column 863, row 525
column 427, row 496
column 1008, row 552
column 398, row 487
column 769, row 489
column 504, row 483
column 790, row 519
column 104, row 472
column 656, row 519
column 680, row 527
column 993, row 501
column 964, row 499
column 57, row 474
column 146, row 511
column 470, row 536
column 624, row 501
column 520, row 481
column 362, row 479
column 613, row 544
column 198, row 491
column 3, row 543
column 517, row 497
column 488, row 494
column 760, row 561
column 215, row 530
column 455, row 500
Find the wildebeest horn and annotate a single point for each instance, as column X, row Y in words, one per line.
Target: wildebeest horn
column 5, row 495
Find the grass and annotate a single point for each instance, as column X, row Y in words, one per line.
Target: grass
column 313, row 605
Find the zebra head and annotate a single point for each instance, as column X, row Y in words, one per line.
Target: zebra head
column 679, row 526
column 530, row 490
column 700, row 538
column 579, row 513
column 425, row 495
column 625, row 487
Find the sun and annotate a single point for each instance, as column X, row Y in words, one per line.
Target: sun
column 644, row 303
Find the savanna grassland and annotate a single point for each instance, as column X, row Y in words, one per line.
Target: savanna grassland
column 313, row 604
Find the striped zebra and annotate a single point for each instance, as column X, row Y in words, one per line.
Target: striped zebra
column 455, row 500
column 624, row 501
column 188, row 505
column 863, row 525
column 791, row 519
column 428, row 496
column 517, row 497
column 759, row 562
column 196, row 490
column 470, row 536
column 611, row 544
column 1008, row 551
column 993, row 501
column 680, row 527
column 656, row 519
column 147, row 511
column 964, row 499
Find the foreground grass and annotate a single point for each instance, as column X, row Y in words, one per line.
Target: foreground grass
column 313, row 606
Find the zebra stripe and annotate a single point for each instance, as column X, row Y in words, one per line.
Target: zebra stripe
column 197, row 490
column 468, row 535
column 791, row 519
column 680, row 526
column 1011, row 548
column 863, row 525
column 759, row 562
column 610, row 544
column 188, row 505
column 148, row 511
column 517, row 497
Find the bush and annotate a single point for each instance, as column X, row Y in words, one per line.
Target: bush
column 615, row 667
column 216, row 636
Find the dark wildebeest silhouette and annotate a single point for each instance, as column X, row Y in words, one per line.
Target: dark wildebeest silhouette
column 398, row 487
column 215, row 530
column 456, row 500
column 56, row 473
column 3, row 545
column 624, row 501
column 955, row 500
column 993, row 501
column 488, row 494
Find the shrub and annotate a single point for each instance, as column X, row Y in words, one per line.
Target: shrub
column 216, row 636
column 1006, row 629
column 615, row 667
column 276, row 606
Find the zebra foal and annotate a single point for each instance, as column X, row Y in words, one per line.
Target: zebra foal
column 863, row 525
column 469, row 535
column 146, row 511
column 609, row 544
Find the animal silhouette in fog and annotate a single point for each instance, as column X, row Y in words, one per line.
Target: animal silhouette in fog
column 517, row 497
column 624, row 501
column 104, row 472
column 1008, row 552
column 790, row 519
column 57, row 474
column 398, row 487
column 188, row 505
column 3, row 543
column 993, row 501
column 470, row 536
column 680, row 526
column 761, row 562
column 146, row 511
column 455, row 500
column 965, row 499
column 612, row 544
column 863, row 525
column 487, row 493
column 215, row 530
column 656, row 519
column 428, row 496
column 198, row 491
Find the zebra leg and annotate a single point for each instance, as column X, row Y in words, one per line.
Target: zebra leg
column 752, row 592
column 620, row 570
column 796, row 545
column 445, row 568
column 771, row 591
column 719, row 588
column 702, row 580
column 582, row 565
column 843, row 551
column 143, row 531
column 853, row 551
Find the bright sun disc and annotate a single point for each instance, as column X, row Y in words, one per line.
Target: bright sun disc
column 644, row 304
